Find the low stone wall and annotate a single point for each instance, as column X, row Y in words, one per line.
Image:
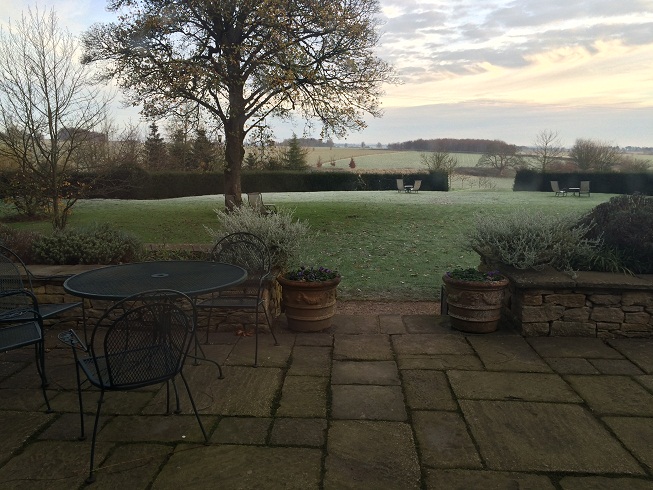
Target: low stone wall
column 589, row 304
column 48, row 282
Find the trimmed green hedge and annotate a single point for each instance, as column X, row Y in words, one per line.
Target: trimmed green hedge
column 128, row 182
column 609, row 183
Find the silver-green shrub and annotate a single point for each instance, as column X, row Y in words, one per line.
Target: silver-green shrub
column 96, row 244
column 282, row 234
column 533, row 240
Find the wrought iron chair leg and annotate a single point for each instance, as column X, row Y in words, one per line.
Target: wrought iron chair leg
column 40, row 368
column 174, row 386
column 256, row 338
column 192, row 402
column 197, row 358
column 82, row 435
column 91, row 476
column 267, row 319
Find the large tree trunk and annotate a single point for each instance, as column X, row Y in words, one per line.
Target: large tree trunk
column 234, row 155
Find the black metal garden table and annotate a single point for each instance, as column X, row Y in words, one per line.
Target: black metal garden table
column 191, row 277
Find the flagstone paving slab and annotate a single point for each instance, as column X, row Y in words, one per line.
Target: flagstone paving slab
column 242, row 430
column 303, row 396
column 362, row 347
column 51, row 465
column 604, row 483
column 588, row 348
column 508, row 354
column 310, row 361
column 636, row 433
column 639, row 351
column 524, row 436
column 371, row 455
column 131, row 466
column 298, row 432
column 355, row 324
column 17, row 427
column 391, row 324
column 365, row 372
column 444, row 440
column 439, row 362
column 428, row 390
column 571, row 365
column 613, row 395
column 315, row 339
column 148, row 428
column 470, row 479
column 616, row 366
column 492, row 385
column 231, row 467
column 368, row 402
column 427, row 345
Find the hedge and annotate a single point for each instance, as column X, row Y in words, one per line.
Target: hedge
column 602, row 182
column 130, row 182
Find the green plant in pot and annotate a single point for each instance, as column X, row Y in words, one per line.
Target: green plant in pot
column 474, row 299
column 309, row 297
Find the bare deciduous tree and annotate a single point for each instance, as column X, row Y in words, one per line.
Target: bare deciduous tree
column 244, row 60
column 48, row 107
column 501, row 156
column 547, row 149
column 440, row 161
column 590, row 154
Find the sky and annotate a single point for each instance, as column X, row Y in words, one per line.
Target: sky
column 491, row 69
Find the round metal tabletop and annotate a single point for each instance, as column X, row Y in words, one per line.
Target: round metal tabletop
column 192, row 277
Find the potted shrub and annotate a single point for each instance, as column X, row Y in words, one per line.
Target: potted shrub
column 308, row 297
column 474, row 299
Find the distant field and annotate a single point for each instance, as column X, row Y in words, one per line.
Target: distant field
column 370, row 159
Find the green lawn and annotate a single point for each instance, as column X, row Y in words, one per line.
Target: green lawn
column 386, row 244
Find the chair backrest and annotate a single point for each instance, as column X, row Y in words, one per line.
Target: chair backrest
column 255, row 200
column 584, row 185
column 417, row 185
column 143, row 339
column 554, row 186
column 13, row 277
column 245, row 250
column 400, row 184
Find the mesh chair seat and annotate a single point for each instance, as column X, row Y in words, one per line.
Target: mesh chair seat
column 132, row 369
column 20, row 335
column 231, row 302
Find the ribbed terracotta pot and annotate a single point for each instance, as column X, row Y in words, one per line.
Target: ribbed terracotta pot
column 474, row 307
column 309, row 306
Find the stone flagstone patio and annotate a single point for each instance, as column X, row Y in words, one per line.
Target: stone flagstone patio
column 375, row 402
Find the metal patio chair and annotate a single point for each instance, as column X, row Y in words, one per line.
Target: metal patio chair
column 584, row 188
column 21, row 314
column 416, row 186
column 249, row 252
column 556, row 189
column 140, row 341
column 400, row 185
column 21, row 325
column 14, row 275
column 255, row 200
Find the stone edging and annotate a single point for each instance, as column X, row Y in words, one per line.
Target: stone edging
column 590, row 304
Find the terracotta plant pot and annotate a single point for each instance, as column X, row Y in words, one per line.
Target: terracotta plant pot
column 474, row 307
column 309, row 306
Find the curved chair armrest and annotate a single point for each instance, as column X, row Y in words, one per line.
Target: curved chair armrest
column 21, row 312
column 70, row 338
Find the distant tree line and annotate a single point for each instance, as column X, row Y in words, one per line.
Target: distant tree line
column 450, row 145
column 309, row 142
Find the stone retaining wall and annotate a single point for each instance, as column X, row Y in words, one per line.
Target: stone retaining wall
column 590, row 304
column 48, row 288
